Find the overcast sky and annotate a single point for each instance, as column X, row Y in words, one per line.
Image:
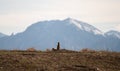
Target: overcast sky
column 17, row 15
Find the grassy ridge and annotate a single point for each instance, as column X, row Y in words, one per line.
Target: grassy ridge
column 59, row 61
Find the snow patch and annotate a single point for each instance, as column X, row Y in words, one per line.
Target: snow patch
column 76, row 23
column 113, row 33
column 85, row 27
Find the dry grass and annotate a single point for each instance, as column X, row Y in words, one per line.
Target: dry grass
column 31, row 49
column 63, row 60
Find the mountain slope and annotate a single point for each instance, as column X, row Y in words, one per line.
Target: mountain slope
column 2, row 35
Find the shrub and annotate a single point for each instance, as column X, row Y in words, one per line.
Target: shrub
column 53, row 49
column 31, row 49
column 87, row 50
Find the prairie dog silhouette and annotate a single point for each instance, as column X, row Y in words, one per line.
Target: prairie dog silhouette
column 58, row 47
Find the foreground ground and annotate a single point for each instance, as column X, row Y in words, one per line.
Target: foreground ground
column 59, row 61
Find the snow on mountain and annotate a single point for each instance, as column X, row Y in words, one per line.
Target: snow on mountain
column 84, row 26
column 113, row 33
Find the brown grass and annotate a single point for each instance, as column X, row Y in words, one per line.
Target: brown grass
column 63, row 60
column 31, row 49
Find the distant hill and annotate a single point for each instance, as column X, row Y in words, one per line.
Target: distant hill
column 71, row 33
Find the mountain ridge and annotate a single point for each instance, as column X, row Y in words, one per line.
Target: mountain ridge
column 71, row 33
column 113, row 33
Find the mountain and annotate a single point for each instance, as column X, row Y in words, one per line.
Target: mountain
column 71, row 33
column 2, row 35
column 113, row 33
column 112, row 40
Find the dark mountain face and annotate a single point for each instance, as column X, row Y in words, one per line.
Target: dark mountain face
column 71, row 34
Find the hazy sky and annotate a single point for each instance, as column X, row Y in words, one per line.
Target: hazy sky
column 17, row 15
